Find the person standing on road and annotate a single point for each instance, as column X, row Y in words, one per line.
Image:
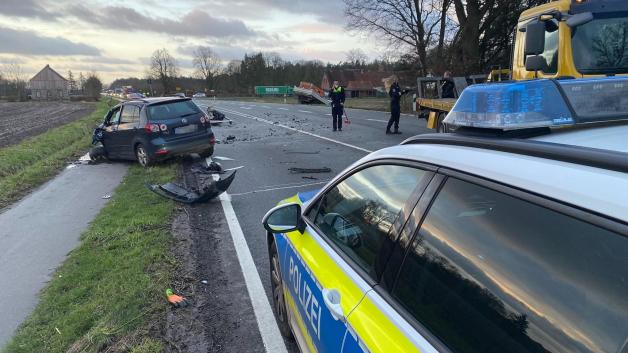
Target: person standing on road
column 337, row 95
column 448, row 87
column 395, row 94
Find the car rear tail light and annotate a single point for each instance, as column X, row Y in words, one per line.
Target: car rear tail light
column 160, row 152
column 163, row 127
column 212, row 140
column 150, row 128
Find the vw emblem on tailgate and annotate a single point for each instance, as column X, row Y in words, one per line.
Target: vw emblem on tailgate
column 184, row 120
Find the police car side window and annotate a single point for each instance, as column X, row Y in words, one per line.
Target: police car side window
column 490, row 272
column 357, row 214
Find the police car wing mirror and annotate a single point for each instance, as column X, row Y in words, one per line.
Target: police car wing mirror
column 579, row 19
column 284, row 219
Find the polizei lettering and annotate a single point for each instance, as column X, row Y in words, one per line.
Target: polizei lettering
column 306, row 300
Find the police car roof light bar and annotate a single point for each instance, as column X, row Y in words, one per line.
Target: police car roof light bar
column 541, row 103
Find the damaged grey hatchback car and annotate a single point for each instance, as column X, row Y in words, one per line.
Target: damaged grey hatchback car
column 153, row 129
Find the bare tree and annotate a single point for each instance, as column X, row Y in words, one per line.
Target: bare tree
column 207, row 64
column 401, row 23
column 357, row 57
column 71, row 81
column 14, row 74
column 163, row 67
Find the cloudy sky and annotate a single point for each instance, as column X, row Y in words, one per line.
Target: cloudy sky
column 116, row 38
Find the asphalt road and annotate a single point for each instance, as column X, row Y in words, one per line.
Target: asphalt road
column 39, row 231
column 264, row 140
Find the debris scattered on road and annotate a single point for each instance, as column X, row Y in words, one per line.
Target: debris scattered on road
column 229, row 139
column 222, row 158
column 204, row 281
column 180, row 194
column 176, row 300
column 71, row 166
column 106, row 197
column 309, row 177
column 295, row 170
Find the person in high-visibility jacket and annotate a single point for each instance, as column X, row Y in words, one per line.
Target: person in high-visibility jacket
column 337, row 95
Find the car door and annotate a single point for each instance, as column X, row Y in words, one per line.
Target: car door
column 127, row 128
column 329, row 268
column 495, row 269
column 109, row 139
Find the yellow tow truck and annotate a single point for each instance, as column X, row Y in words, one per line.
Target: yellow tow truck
column 561, row 39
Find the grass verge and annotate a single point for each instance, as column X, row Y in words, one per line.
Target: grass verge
column 33, row 161
column 104, row 295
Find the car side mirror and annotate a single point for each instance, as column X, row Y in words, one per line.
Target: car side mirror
column 284, row 219
column 535, row 38
column 579, row 19
column 535, row 63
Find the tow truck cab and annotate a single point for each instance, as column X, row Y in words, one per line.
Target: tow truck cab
column 572, row 38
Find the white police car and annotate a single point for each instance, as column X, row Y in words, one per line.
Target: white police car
column 510, row 235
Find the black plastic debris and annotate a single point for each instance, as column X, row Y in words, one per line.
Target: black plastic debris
column 180, row 194
column 295, row 170
column 213, row 167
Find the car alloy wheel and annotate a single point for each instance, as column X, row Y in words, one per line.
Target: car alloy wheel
column 279, row 301
column 142, row 156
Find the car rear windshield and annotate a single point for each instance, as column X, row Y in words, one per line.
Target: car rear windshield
column 170, row 110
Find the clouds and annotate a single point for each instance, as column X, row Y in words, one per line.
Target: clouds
column 29, row 43
column 195, row 23
column 25, row 8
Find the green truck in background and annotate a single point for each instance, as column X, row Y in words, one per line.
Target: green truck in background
column 274, row 90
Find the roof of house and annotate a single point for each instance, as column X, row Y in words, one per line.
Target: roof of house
column 34, row 78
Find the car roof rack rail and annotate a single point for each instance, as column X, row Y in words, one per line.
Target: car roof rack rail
column 592, row 157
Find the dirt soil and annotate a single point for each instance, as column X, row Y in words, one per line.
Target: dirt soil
column 220, row 317
column 19, row 120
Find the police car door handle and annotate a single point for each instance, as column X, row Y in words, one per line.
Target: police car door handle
column 331, row 297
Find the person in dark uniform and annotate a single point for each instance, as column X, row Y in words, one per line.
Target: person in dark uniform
column 337, row 95
column 395, row 94
column 448, row 87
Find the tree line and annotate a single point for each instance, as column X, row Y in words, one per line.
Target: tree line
column 239, row 77
column 464, row 36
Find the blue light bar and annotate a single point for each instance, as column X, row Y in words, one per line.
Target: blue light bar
column 540, row 103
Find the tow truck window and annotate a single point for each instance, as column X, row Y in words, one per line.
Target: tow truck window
column 489, row 272
column 601, row 46
column 357, row 214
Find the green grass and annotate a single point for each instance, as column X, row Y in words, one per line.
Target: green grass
column 33, row 161
column 109, row 289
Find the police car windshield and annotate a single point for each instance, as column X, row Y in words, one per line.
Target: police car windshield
column 601, row 46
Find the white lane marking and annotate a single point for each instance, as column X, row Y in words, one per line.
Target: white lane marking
column 266, row 107
column 248, row 116
column 280, row 188
column 283, row 108
column 247, row 108
column 222, row 158
column 328, row 114
column 271, row 337
column 304, row 111
column 381, row 121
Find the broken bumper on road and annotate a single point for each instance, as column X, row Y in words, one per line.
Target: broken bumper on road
column 180, row 194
